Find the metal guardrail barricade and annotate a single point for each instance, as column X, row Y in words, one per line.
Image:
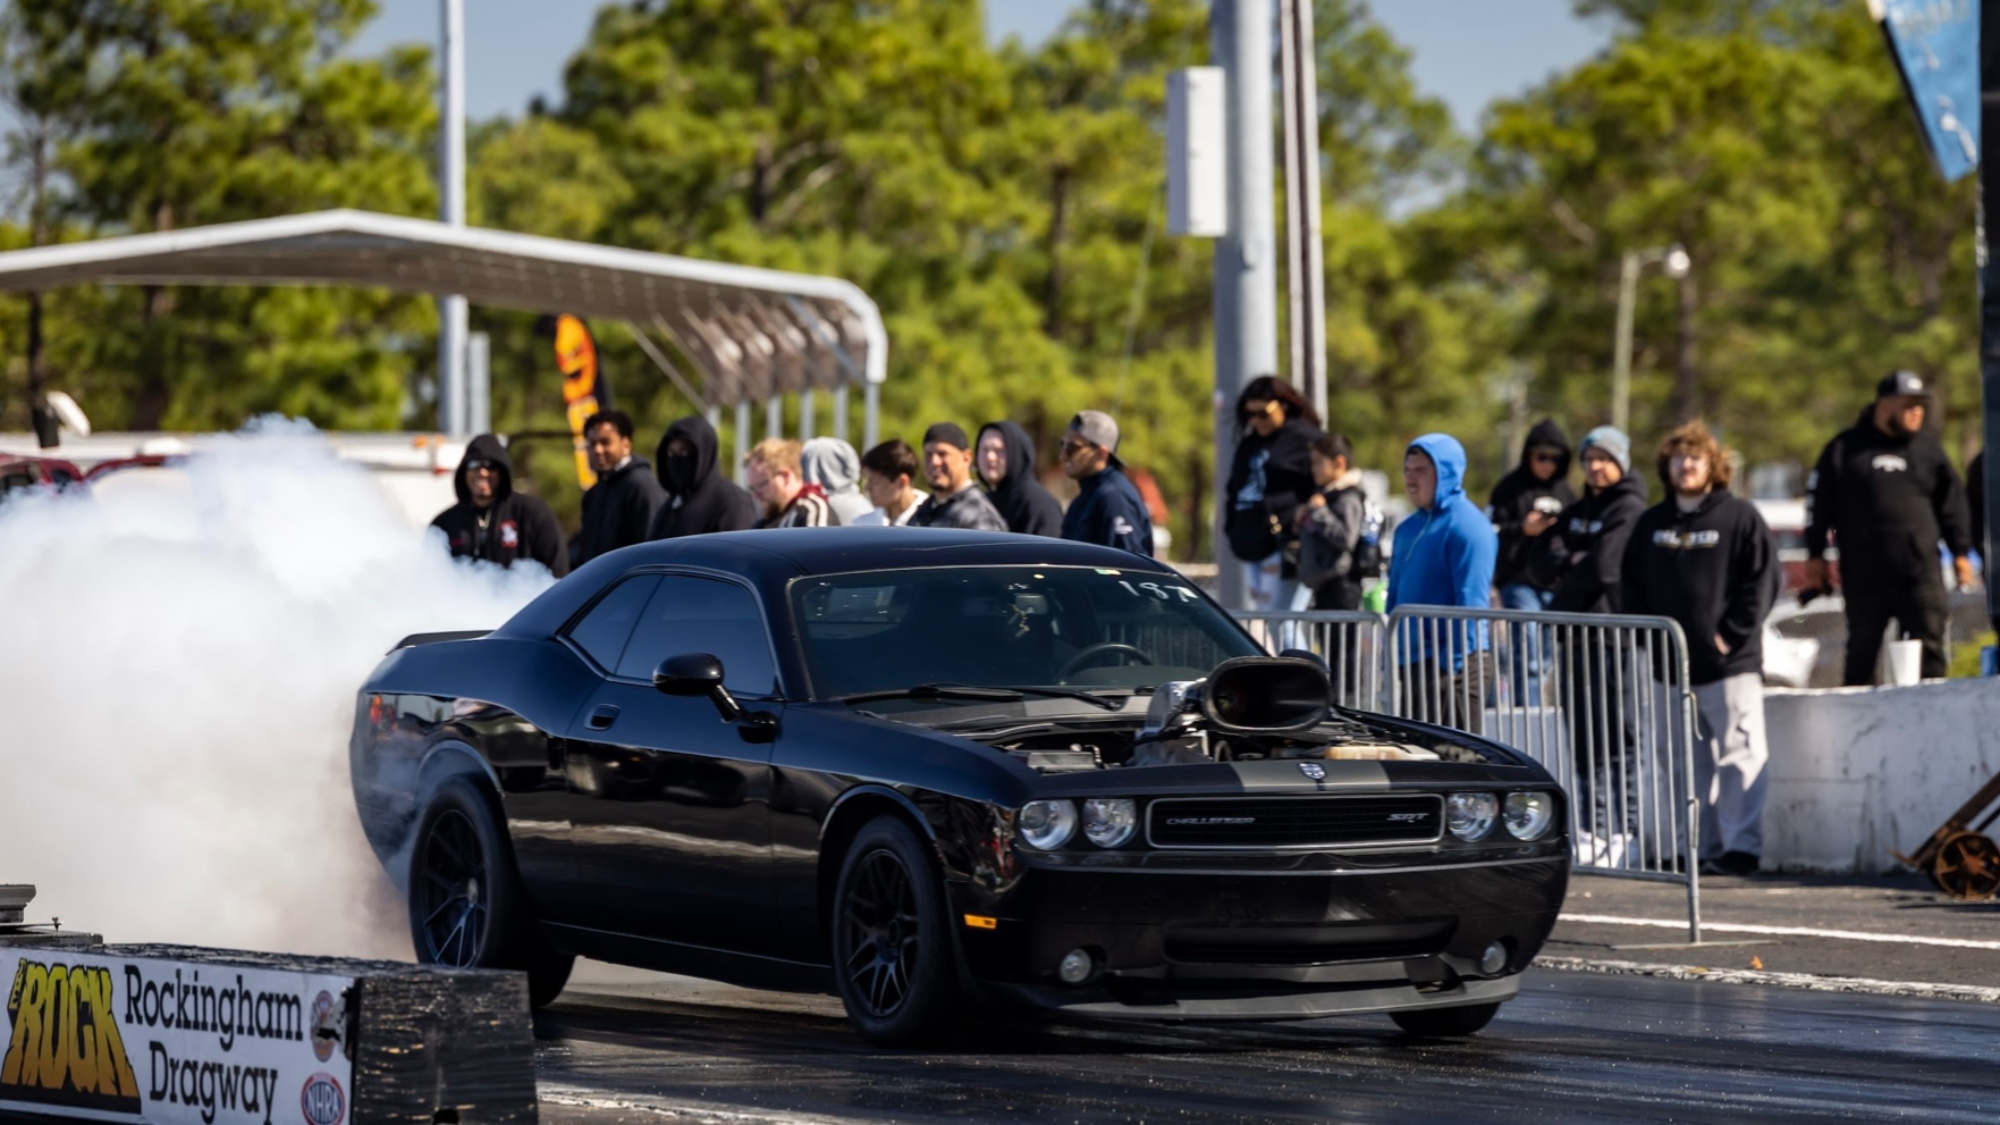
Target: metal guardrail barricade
column 1353, row 644
column 1602, row 702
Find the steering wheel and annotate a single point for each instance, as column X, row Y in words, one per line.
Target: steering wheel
column 1075, row 663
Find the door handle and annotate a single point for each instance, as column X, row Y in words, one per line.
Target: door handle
column 603, row 717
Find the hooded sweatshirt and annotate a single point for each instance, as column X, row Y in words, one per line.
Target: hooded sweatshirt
column 1444, row 554
column 1028, row 508
column 1109, row 511
column 1518, row 493
column 1586, row 549
column 1890, row 499
column 1269, row 477
column 833, row 465
column 618, row 510
column 699, row 500
column 514, row 526
column 1713, row 569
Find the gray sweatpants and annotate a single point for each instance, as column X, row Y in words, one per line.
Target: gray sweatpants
column 1730, row 754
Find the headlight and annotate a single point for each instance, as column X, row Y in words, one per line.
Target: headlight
column 1528, row 815
column 1470, row 815
column 1109, row 821
column 1047, row 824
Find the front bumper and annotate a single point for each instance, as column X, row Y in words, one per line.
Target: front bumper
column 1259, row 937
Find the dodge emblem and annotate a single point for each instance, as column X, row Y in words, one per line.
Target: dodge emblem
column 1313, row 770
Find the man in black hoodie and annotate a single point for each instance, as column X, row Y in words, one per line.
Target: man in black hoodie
column 1535, row 493
column 1005, row 460
column 698, row 499
column 493, row 522
column 1886, row 493
column 1706, row 559
column 617, row 510
column 1583, row 561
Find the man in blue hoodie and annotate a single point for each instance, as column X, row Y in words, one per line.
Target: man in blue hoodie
column 1444, row 556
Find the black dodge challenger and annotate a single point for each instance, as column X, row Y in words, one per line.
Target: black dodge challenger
column 935, row 771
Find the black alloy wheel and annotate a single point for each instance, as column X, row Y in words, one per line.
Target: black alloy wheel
column 467, row 909
column 892, row 962
column 1438, row 1023
column 450, row 882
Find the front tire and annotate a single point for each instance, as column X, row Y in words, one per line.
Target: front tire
column 1440, row 1023
column 467, row 909
column 892, row 956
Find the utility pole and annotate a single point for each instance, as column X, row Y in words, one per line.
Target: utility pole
column 1305, row 268
column 453, row 407
column 1989, row 287
column 1246, row 276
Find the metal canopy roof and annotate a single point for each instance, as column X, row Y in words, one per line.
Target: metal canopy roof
column 757, row 333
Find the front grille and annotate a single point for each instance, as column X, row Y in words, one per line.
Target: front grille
column 1331, row 821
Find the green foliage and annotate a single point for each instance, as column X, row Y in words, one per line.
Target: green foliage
column 1004, row 207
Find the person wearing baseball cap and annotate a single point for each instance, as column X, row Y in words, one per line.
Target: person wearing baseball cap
column 956, row 500
column 1108, row 509
column 1885, row 494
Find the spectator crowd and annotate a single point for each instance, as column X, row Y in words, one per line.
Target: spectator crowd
column 1307, row 535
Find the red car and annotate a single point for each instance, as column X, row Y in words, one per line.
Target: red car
column 19, row 471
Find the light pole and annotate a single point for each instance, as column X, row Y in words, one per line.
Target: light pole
column 1675, row 263
column 454, row 411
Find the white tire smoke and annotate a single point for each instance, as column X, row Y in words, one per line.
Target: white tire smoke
column 178, row 661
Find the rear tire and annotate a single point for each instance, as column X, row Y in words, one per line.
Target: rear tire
column 467, row 908
column 892, row 959
column 1438, row 1023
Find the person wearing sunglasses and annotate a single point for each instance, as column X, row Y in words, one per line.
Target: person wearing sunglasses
column 492, row 522
column 1270, row 475
column 1108, row 509
column 1524, row 505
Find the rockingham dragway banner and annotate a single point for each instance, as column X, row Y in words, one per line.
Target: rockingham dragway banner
column 108, row 1038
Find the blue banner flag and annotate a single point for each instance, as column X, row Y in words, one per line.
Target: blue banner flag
column 1936, row 47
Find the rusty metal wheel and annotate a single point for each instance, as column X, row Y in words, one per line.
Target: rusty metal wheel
column 1967, row 866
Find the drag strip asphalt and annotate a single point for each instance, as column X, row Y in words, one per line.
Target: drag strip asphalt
column 1573, row 1047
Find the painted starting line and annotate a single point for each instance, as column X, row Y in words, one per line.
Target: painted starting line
column 1783, row 931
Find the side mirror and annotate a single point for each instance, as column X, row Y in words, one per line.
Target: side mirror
column 693, row 674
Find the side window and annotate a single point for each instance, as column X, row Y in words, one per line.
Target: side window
column 603, row 631
column 689, row 614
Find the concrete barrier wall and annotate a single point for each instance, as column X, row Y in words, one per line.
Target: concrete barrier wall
column 1858, row 772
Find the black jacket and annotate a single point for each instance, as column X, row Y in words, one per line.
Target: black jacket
column 695, row 498
column 618, row 510
column 1888, row 500
column 1715, row 570
column 1516, row 495
column 1028, row 508
column 514, row 526
column 968, row 509
column 1328, row 538
column 1109, row 511
column 1585, row 554
column 1269, row 478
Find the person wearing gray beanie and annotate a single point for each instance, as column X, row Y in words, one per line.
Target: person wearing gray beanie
column 1584, row 559
column 1613, row 442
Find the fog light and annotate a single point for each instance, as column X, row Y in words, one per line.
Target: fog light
column 1494, row 959
column 1077, row 966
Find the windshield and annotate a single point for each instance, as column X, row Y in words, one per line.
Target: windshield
column 1013, row 626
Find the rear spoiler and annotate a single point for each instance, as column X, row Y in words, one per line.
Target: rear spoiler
column 415, row 639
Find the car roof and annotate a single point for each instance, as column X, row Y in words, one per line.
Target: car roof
column 770, row 558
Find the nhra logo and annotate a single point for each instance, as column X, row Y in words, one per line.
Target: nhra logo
column 65, row 1047
column 322, row 1101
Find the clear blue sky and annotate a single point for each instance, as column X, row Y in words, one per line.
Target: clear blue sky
column 1468, row 52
